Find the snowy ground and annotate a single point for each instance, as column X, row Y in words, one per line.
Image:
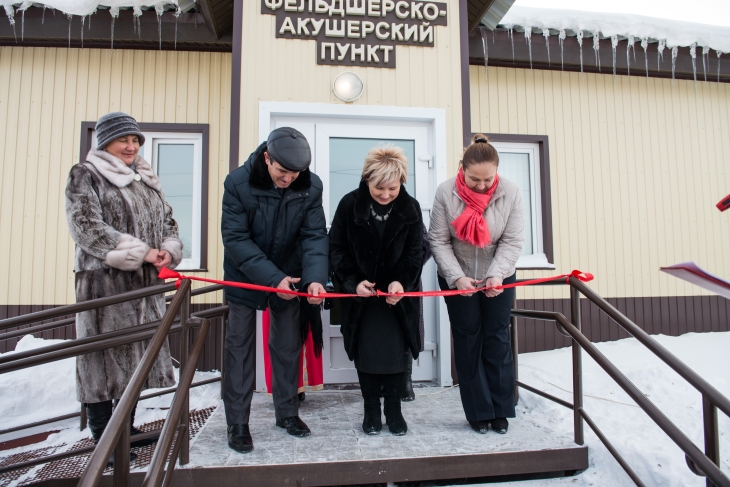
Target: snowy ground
column 50, row 391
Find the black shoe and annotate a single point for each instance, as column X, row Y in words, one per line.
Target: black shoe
column 239, row 438
column 371, row 423
column 110, row 462
column 408, row 394
column 294, row 426
column 302, row 397
column 500, row 425
column 393, row 417
column 134, row 431
column 481, row 427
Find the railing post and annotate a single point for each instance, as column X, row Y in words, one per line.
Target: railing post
column 515, row 348
column 121, row 460
column 577, row 368
column 82, row 417
column 184, row 352
column 224, row 328
column 712, row 438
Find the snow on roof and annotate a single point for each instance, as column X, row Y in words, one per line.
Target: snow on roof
column 674, row 32
column 86, row 7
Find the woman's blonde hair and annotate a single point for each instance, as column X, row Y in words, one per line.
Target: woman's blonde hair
column 385, row 164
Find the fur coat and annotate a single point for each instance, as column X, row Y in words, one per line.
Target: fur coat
column 114, row 221
column 358, row 253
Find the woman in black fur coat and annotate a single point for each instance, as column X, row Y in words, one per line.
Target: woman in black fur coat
column 376, row 243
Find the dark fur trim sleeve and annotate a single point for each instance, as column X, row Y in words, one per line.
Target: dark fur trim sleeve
column 83, row 214
column 170, row 236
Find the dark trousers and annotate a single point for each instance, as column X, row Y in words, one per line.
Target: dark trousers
column 285, row 345
column 483, row 353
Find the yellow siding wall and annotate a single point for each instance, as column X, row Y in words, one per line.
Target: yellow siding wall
column 286, row 70
column 636, row 168
column 45, row 94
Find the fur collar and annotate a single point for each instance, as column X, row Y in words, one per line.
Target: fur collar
column 259, row 176
column 404, row 210
column 118, row 173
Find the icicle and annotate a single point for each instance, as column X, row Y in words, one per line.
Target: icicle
column 596, row 48
column 485, row 46
column 511, row 38
column 614, row 44
column 561, row 38
column 82, row 31
column 493, row 33
column 43, row 15
column 159, row 8
column 705, row 53
column 114, row 11
column 546, row 35
column 693, row 53
column 579, row 36
column 22, row 25
column 675, row 51
column 10, row 12
column 138, row 20
column 719, row 53
column 660, row 52
column 629, row 45
column 644, row 45
column 70, row 18
column 528, row 39
column 632, row 43
column 178, row 12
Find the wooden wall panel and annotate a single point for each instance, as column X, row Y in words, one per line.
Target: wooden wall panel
column 45, row 94
column 637, row 166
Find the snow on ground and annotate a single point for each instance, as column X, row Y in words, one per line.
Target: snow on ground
column 49, row 390
column 648, row 450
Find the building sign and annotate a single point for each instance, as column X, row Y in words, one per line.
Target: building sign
column 357, row 32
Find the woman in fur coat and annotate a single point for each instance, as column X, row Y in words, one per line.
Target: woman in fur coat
column 124, row 233
column 376, row 243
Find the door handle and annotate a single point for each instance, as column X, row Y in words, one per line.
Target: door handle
column 427, row 158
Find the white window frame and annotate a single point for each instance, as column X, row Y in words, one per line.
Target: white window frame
column 149, row 153
column 537, row 259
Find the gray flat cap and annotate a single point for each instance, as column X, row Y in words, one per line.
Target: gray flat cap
column 289, row 148
column 114, row 125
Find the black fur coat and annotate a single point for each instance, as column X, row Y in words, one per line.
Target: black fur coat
column 357, row 253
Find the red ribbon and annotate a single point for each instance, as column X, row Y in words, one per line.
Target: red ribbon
column 170, row 274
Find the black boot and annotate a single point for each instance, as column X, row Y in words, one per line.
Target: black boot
column 392, row 393
column 408, row 394
column 99, row 414
column 370, row 385
column 134, row 431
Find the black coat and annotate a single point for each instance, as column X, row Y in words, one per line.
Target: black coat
column 268, row 236
column 357, row 253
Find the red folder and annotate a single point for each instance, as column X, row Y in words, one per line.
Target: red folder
column 690, row 272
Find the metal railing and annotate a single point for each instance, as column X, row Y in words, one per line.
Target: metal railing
column 116, row 435
column 700, row 463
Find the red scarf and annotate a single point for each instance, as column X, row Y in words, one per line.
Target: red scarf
column 470, row 226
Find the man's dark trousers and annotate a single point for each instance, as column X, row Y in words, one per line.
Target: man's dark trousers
column 285, row 345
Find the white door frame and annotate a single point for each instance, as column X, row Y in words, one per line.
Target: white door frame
column 435, row 121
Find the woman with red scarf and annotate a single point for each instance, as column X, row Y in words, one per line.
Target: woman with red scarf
column 476, row 236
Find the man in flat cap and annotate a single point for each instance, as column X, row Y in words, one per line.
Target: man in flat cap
column 274, row 234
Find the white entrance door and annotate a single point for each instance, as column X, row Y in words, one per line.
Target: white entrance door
column 339, row 149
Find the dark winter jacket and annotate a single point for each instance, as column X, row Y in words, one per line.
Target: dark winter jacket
column 114, row 221
column 268, row 235
column 357, row 254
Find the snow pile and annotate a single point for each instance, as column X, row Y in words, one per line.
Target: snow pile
column 673, row 32
column 88, row 7
column 49, row 390
column 649, row 451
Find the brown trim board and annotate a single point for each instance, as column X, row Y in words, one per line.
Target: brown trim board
column 194, row 128
column 235, row 134
column 465, row 84
column 545, row 195
column 668, row 315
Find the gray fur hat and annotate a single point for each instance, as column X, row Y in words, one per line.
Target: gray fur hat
column 290, row 148
column 114, row 125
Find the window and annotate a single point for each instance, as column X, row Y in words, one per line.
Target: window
column 178, row 155
column 523, row 160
